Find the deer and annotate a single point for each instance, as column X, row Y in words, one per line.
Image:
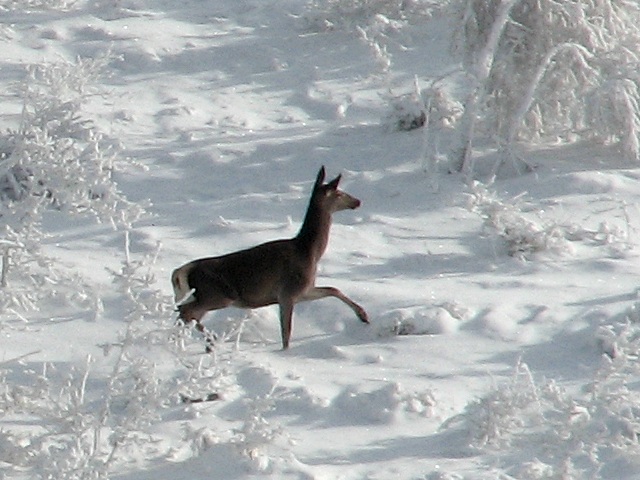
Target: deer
column 281, row 272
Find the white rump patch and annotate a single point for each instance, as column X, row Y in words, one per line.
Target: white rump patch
column 183, row 298
column 183, row 294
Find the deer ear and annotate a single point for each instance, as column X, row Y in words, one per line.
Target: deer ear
column 319, row 178
column 333, row 184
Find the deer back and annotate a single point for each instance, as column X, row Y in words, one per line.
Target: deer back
column 254, row 277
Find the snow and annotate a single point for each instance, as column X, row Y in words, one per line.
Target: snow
column 477, row 364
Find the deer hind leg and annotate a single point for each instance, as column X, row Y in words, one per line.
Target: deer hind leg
column 190, row 312
column 210, row 292
column 317, row 293
column 209, row 336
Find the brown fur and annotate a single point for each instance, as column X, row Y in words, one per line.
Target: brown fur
column 279, row 272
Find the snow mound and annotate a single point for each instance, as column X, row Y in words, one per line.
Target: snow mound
column 424, row 320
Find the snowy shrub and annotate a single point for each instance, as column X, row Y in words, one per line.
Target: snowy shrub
column 36, row 4
column 257, row 443
column 433, row 107
column 372, row 20
column 135, row 281
column 65, row 443
column 525, row 232
column 620, row 339
column 66, row 431
column 324, row 15
column 57, row 158
column 199, row 440
column 558, row 434
column 23, row 259
column 509, row 409
column 375, row 41
column 55, row 163
column 257, row 434
column 147, row 310
column 542, row 68
column 408, row 112
column 516, row 414
column 522, row 236
column 615, row 115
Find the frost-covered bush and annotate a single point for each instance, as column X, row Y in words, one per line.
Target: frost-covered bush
column 76, row 433
column 614, row 115
column 257, row 435
column 522, row 235
column 524, row 231
column 542, row 68
column 36, row 4
column 57, row 159
column 556, row 434
column 64, row 443
column 22, row 256
column 56, row 162
column 257, row 443
column 561, row 434
column 407, row 112
column 620, row 338
column 323, row 15
column 80, row 422
column 432, row 108
column 503, row 413
column 374, row 21
column 136, row 283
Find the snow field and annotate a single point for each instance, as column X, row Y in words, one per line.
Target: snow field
column 504, row 334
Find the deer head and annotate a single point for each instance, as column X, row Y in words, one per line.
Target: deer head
column 329, row 197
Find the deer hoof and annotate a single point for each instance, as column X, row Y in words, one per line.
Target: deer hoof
column 362, row 315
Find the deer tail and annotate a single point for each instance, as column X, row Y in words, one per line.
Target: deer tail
column 183, row 293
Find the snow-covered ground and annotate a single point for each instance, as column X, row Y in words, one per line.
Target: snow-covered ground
column 477, row 364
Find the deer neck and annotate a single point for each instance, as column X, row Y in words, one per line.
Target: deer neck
column 313, row 236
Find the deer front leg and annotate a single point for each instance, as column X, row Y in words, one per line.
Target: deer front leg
column 286, row 314
column 321, row 292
